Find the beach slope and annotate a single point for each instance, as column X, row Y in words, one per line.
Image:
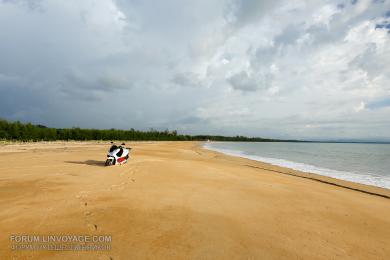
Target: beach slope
column 175, row 200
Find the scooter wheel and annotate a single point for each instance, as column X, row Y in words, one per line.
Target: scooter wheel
column 109, row 162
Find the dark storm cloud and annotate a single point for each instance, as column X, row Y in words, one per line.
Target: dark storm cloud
column 88, row 88
column 20, row 103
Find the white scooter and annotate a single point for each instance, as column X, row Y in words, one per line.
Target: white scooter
column 117, row 155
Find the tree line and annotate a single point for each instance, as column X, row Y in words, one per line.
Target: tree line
column 17, row 131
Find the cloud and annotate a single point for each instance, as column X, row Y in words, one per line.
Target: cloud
column 360, row 107
column 379, row 103
column 32, row 4
column 242, row 81
column 243, row 12
column 259, row 68
column 186, row 79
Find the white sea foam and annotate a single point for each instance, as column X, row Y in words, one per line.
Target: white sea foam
column 363, row 178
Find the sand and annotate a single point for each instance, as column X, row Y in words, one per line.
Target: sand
column 179, row 201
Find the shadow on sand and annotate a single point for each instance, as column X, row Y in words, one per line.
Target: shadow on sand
column 88, row 162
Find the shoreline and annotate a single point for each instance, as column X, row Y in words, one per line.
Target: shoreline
column 357, row 186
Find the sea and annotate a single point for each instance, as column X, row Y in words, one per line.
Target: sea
column 366, row 163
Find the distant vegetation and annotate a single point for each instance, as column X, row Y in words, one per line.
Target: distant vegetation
column 17, row 131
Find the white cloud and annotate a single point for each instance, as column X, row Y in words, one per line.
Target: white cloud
column 360, row 107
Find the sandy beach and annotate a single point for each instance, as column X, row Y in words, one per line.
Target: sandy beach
column 175, row 200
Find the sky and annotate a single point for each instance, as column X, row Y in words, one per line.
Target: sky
column 293, row 69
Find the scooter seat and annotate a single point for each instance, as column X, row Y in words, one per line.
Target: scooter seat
column 119, row 154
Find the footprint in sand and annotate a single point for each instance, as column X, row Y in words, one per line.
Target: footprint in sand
column 83, row 196
column 120, row 186
column 130, row 178
column 114, row 186
column 92, row 227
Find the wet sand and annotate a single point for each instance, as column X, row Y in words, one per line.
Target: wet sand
column 175, row 200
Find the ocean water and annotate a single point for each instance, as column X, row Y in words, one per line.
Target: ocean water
column 356, row 162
